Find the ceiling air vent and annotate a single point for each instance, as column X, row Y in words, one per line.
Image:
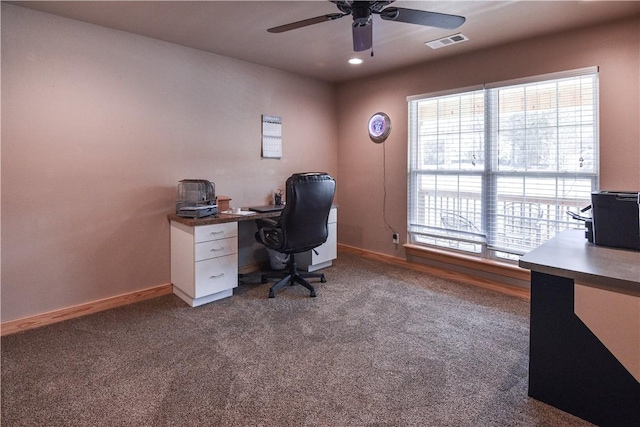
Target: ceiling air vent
column 446, row 41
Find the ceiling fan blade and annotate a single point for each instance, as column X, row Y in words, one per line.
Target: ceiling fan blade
column 421, row 17
column 306, row 22
column 362, row 37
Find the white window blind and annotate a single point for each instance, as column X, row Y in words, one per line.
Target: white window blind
column 494, row 170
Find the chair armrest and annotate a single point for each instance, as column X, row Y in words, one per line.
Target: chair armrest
column 266, row 222
column 271, row 237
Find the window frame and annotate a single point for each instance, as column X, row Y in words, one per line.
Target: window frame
column 482, row 241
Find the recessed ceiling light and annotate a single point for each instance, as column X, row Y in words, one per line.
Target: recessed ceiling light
column 355, row 61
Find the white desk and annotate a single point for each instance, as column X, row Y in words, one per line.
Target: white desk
column 204, row 254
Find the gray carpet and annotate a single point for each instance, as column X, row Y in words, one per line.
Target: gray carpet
column 380, row 346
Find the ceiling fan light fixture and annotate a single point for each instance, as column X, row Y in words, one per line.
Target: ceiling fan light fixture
column 355, row 61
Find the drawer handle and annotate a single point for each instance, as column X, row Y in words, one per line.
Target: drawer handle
column 215, row 276
column 217, row 232
column 216, row 249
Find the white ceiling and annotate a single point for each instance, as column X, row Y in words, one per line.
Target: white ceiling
column 238, row 29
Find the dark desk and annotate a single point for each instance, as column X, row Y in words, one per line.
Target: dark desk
column 570, row 366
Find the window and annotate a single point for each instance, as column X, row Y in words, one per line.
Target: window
column 494, row 169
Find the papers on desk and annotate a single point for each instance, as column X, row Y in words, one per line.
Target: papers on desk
column 240, row 213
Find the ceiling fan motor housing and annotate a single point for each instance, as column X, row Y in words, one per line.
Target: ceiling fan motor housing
column 361, row 13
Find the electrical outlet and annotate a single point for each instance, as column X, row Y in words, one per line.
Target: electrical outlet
column 396, row 239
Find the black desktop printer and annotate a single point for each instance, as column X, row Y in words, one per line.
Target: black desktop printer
column 615, row 219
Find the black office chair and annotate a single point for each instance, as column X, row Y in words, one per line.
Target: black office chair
column 302, row 226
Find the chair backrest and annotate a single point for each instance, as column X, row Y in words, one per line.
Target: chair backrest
column 304, row 218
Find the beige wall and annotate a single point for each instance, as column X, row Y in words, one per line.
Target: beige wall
column 364, row 219
column 98, row 127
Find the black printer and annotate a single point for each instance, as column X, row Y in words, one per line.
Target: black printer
column 616, row 219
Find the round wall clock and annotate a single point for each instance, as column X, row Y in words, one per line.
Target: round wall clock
column 379, row 127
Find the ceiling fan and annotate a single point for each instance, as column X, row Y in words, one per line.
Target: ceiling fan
column 362, row 12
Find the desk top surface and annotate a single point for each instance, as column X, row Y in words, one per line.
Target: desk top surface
column 569, row 254
column 222, row 218
column 226, row 217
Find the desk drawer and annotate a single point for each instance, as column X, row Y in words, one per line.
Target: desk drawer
column 216, row 248
column 204, row 233
column 215, row 275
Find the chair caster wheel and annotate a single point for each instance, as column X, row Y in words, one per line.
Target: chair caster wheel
column 323, row 280
column 313, row 294
column 272, row 294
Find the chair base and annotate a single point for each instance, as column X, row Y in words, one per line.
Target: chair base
column 292, row 277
